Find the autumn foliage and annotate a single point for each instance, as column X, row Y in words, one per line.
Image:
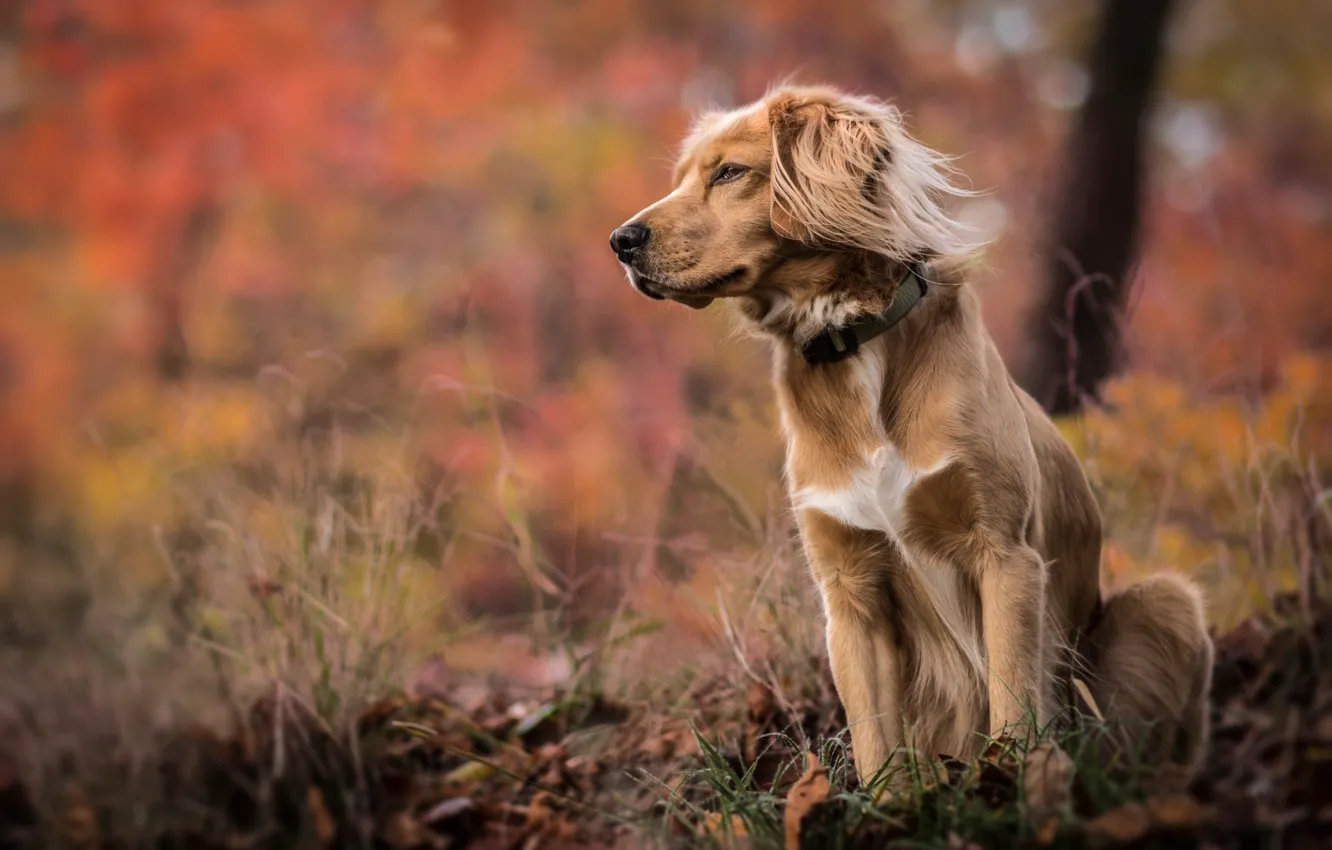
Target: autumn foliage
column 305, row 303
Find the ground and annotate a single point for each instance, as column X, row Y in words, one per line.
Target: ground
column 461, row 763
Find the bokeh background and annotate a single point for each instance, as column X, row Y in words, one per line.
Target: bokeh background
column 314, row 360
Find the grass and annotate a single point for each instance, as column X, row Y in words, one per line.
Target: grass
column 273, row 674
column 925, row 803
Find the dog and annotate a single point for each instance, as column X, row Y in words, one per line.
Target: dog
column 951, row 532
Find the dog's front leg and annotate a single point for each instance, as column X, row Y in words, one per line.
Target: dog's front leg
column 851, row 569
column 1012, row 589
column 867, row 672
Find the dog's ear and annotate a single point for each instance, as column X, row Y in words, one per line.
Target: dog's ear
column 846, row 174
column 829, row 162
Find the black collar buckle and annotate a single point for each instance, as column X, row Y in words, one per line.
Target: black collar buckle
column 834, row 344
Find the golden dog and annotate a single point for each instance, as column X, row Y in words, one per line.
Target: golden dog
column 950, row 529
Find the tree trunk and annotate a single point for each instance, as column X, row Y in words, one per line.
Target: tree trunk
column 173, row 357
column 1093, row 238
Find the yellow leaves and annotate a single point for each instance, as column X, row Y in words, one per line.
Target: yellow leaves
column 728, row 832
column 1307, row 378
column 1156, row 441
column 113, row 488
column 1206, row 484
column 1129, row 822
column 217, row 422
column 1174, row 546
column 386, row 316
column 1074, row 431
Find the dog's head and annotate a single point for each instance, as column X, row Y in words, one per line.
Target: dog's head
column 766, row 195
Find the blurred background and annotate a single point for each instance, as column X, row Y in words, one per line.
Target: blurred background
column 314, row 359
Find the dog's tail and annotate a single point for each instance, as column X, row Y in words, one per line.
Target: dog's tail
column 1150, row 670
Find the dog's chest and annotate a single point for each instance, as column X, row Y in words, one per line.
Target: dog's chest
column 853, row 472
column 874, row 497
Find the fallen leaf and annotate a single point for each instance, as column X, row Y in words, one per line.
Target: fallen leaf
column 721, row 829
column 957, row 842
column 431, row 679
column 1046, row 835
column 761, row 702
column 447, row 809
column 1000, row 751
column 376, row 714
column 809, row 791
column 1047, row 781
column 1178, row 811
column 403, row 831
column 469, row 773
column 539, row 812
column 1129, row 822
column 549, row 753
column 325, row 828
column 1246, row 641
column 78, row 824
column 264, row 588
column 1171, row 779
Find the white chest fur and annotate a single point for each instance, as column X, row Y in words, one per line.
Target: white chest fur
column 875, row 497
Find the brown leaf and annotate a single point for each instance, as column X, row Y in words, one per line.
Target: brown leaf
column 1046, row 835
column 264, row 588
column 1178, row 811
column 661, row 746
column 1047, row 780
column 1247, row 641
column 547, row 753
column 325, row 828
column 761, row 702
column 808, row 792
column 374, row 716
column 404, row 831
column 78, row 824
column 1000, row 751
column 1171, row 779
column 539, row 812
column 720, row 829
column 957, row 842
column 431, row 679
column 1127, row 823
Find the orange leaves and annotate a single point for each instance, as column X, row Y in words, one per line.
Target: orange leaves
column 810, row 791
column 1212, row 485
column 425, row 191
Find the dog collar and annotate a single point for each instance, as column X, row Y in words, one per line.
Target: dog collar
column 835, row 344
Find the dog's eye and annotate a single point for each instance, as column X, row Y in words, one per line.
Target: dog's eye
column 727, row 173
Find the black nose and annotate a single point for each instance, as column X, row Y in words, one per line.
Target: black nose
column 628, row 239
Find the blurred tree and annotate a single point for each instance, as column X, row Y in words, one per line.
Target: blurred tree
column 1093, row 243
column 167, row 289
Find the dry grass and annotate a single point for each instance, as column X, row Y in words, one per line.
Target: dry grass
column 315, row 572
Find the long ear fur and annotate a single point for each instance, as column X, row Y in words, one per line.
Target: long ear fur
column 845, row 173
